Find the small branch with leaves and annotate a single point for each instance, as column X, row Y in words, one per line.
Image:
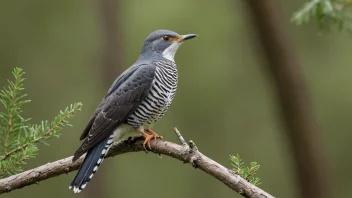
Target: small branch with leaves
column 247, row 173
column 19, row 138
column 187, row 153
column 327, row 13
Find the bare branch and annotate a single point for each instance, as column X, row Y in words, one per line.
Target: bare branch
column 185, row 153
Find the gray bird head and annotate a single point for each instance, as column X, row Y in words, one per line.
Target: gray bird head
column 164, row 43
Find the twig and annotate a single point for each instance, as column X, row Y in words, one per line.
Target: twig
column 42, row 137
column 181, row 152
column 180, row 138
column 62, row 119
column 9, row 129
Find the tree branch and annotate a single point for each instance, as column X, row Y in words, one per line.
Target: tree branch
column 188, row 153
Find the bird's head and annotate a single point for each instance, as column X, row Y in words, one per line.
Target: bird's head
column 164, row 43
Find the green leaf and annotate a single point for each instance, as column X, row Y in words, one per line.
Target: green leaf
column 247, row 173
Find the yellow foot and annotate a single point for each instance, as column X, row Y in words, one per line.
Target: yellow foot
column 149, row 137
column 154, row 134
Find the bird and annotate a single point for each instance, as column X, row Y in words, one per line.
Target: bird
column 137, row 99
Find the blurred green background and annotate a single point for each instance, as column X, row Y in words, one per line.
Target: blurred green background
column 225, row 101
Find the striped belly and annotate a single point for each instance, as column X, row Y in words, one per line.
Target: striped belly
column 157, row 102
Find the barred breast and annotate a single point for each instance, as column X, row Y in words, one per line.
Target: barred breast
column 159, row 98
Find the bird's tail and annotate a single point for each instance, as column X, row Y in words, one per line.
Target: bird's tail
column 92, row 161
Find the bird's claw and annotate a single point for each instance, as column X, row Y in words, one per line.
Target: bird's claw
column 149, row 137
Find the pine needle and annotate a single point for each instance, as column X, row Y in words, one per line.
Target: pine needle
column 18, row 137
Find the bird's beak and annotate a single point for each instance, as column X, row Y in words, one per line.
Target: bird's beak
column 186, row 37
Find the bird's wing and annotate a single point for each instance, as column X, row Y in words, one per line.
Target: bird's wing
column 119, row 80
column 124, row 96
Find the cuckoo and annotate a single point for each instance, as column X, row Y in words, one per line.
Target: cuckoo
column 137, row 99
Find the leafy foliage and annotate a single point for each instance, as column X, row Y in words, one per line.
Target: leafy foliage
column 248, row 173
column 19, row 138
column 327, row 13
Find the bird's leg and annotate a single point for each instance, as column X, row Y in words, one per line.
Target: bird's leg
column 155, row 135
column 147, row 140
column 149, row 137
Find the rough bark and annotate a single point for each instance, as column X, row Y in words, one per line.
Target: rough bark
column 295, row 106
column 187, row 153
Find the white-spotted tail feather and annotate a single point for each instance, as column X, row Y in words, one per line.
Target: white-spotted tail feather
column 90, row 165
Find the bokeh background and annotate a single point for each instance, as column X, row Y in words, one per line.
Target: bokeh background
column 71, row 51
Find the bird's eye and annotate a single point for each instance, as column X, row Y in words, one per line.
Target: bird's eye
column 166, row 38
